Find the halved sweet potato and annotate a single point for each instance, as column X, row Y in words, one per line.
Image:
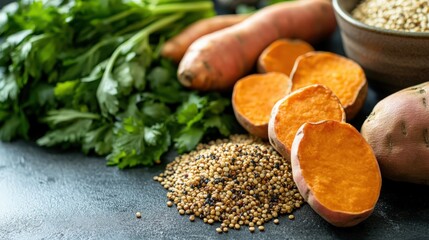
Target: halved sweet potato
column 309, row 104
column 343, row 76
column 336, row 172
column 253, row 98
column 280, row 55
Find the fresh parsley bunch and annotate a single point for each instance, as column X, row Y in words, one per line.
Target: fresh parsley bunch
column 88, row 74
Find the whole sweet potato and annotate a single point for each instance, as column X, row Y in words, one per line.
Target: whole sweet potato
column 398, row 131
column 218, row 60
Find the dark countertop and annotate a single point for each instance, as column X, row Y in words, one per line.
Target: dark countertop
column 47, row 194
column 50, row 194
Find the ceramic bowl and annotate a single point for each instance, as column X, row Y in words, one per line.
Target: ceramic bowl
column 392, row 59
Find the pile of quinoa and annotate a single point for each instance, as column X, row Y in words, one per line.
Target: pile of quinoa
column 240, row 181
column 401, row 15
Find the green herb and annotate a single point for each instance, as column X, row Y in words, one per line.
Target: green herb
column 244, row 8
column 88, row 74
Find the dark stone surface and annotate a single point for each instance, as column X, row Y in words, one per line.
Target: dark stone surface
column 49, row 194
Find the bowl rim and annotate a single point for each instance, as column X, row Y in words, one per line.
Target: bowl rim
column 348, row 18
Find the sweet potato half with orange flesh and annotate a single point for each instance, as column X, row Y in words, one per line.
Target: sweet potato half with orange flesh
column 336, row 172
column 343, row 76
column 280, row 56
column 309, row 104
column 253, row 98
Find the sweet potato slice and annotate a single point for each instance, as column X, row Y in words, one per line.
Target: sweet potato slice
column 309, row 104
column 253, row 98
column 343, row 76
column 336, row 172
column 280, row 56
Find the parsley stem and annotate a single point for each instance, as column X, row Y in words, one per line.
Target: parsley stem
column 94, row 49
column 137, row 25
column 126, row 46
column 65, row 115
column 119, row 16
column 144, row 33
column 181, row 7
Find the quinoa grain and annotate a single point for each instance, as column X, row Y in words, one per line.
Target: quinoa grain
column 237, row 181
column 400, row 15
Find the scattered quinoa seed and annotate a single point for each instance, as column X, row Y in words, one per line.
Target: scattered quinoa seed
column 192, row 218
column 138, row 215
column 276, row 221
column 291, row 217
column 261, row 228
column 219, row 230
column 251, row 229
column 240, row 181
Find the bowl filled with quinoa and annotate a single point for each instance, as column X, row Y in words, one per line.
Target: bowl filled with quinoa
column 388, row 38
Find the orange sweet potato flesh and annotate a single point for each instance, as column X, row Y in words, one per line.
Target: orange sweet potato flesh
column 280, row 56
column 336, row 172
column 343, row 76
column 218, row 60
column 309, row 104
column 253, row 98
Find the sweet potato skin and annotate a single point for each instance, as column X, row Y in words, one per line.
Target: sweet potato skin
column 336, row 218
column 397, row 129
column 257, row 130
column 217, row 60
column 272, row 136
column 176, row 47
column 353, row 109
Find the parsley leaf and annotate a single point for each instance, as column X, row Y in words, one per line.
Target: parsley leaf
column 188, row 138
column 89, row 75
